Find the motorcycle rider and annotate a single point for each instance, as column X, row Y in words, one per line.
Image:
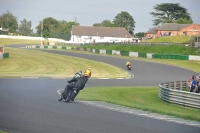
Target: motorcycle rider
column 79, row 84
column 78, row 74
column 88, row 73
column 70, row 85
column 128, row 63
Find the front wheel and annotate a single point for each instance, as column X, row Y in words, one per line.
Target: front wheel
column 69, row 96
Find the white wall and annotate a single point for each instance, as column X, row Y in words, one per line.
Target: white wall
column 87, row 39
column 22, row 37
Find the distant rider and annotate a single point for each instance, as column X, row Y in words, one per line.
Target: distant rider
column 128, row 63
column 88, row 72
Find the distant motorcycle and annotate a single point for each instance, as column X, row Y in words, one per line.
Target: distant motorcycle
column 68, row 95
column 129, row 67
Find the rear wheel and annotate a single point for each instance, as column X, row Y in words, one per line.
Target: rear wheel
column 69, row 96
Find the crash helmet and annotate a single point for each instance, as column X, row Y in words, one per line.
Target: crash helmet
column 80, row 72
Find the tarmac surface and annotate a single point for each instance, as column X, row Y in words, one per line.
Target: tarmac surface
column 30, row 105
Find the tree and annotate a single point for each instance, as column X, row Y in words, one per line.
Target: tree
column 66, row 29
column 105, row 23
column 97, row 24
column 139, row 34
column 125, row 20
column 8, row 20
column 169, row 12
column 183, row 21
column 25, row 27
column 49, row 27
column 53, row 28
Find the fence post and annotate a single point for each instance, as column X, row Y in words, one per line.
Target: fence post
column 180, row 85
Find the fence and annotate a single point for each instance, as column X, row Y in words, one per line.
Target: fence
column 172, row 92
column 4, row 55
column 139, row 43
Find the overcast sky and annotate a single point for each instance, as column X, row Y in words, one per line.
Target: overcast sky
column 88, row 12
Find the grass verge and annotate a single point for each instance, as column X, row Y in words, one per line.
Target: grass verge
column 187, row 64
column 172, row 39
column 7, row 41
column 167, row 49
column 33, row 63
column 144, row 98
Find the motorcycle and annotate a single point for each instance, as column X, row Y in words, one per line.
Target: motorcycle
column 68, row 95
column 129, row 67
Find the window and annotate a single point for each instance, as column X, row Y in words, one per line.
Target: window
column 78, row 36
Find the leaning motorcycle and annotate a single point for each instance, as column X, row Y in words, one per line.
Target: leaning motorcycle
column 129, row 67
column 69, row 94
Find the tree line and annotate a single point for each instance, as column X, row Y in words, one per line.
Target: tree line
column 52, row 28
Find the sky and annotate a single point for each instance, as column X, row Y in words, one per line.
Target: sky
column 89, row 12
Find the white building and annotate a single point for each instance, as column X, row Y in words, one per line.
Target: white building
column 87, row 34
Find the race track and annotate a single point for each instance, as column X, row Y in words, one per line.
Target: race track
column 32, row 106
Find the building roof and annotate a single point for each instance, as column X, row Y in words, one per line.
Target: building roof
column 100, row 31
column 173, row 26
column 152, row 30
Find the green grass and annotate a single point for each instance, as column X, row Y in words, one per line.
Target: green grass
column 2, row 132
column 144, row 98
column 33, row 63
column 7, row 41
column 172, row 39
column 167, row 49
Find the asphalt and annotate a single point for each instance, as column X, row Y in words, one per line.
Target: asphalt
column 30, row 105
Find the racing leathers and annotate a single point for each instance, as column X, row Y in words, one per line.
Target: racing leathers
column 88, row 73
column 78, row 84
column 128, row 63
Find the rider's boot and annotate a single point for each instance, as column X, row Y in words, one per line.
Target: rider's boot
column 60, row 98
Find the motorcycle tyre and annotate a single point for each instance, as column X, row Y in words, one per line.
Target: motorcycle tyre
column 69, row 96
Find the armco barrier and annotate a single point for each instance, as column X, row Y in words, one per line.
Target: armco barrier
column 97, row 51
column 124, row 53
column 171, row 92
column 144, row 55
column 170, row 56
column 5, row 55
column 109, row 52
column 85, row 49
column 64, row 47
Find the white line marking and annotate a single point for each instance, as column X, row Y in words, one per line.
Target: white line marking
column 130, row 74
column 30, row 77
